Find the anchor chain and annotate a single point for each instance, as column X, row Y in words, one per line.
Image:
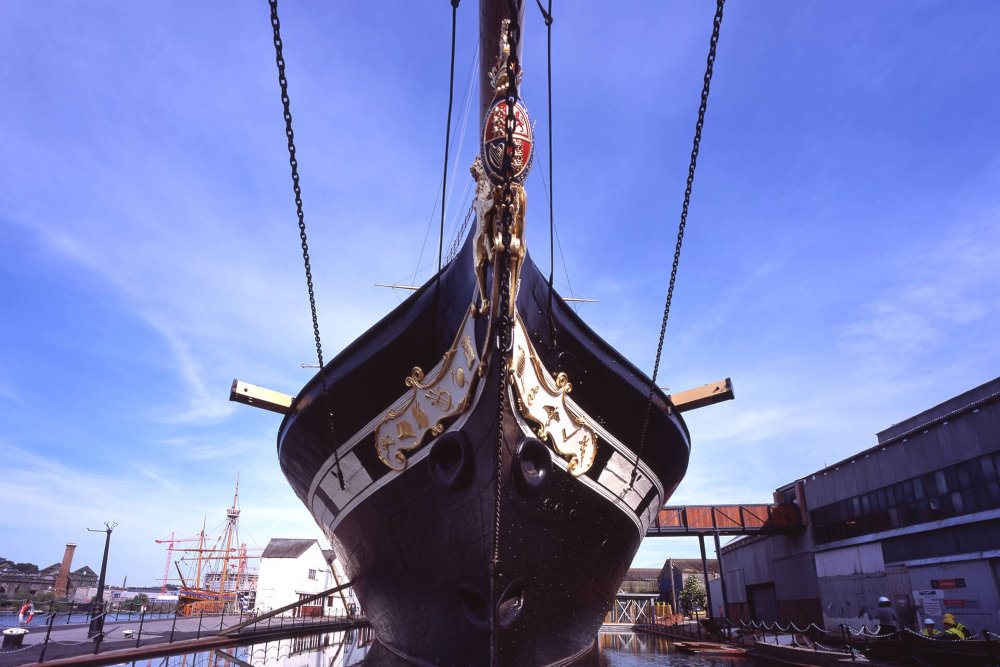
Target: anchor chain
column 504, row 323
column 294, row 164
column 692, row 165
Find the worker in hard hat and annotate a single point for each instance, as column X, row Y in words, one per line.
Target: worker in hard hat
column 929, row 630
column 953, row 628
column 888, row 622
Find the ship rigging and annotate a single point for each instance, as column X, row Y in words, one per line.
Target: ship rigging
column 215, row 575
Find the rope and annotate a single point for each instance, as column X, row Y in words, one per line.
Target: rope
column 458, row 235
column 447, row 132
column 279, row 60
column 547, row 15
column 696, row 145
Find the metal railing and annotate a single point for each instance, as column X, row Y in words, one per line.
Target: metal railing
column 70, row 632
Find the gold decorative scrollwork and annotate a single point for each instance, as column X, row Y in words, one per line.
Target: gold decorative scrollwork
column 542, row 400
column 429, row 402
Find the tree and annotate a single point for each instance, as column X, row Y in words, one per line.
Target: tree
column 693, row 594
column 139, row 601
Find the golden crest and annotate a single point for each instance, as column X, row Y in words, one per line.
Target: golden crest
column 542, row 399
column 429, row 402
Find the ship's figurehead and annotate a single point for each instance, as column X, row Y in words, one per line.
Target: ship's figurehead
column 488, row 172
column 448, row 390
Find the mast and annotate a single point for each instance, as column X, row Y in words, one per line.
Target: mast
column 491, row 13
column 201, row 551
column 232, row 516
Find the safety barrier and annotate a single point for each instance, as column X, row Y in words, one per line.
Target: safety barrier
column 76, row 632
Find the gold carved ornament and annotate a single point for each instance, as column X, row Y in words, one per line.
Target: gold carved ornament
column 542, row 400
column 429, row 403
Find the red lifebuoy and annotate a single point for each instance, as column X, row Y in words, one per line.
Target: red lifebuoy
column 26, row 614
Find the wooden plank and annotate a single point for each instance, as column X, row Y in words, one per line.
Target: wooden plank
column 259, row 397
column 699, row 397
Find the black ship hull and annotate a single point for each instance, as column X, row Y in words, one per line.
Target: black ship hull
column 474, row 547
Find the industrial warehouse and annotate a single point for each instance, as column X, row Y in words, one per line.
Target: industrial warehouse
column 915, row 519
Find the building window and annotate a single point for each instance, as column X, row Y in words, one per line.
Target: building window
column 963, row 488
column 312, row 574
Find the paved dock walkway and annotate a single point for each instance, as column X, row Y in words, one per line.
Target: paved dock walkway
column 69, row 644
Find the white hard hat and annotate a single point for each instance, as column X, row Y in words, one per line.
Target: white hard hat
column 883, row 599
column 928, row 621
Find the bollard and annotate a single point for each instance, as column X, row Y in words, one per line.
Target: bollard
column 99, row 637
column 45, row 645
column 142, row 617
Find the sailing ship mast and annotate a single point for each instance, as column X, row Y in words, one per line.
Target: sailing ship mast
column 204, row 592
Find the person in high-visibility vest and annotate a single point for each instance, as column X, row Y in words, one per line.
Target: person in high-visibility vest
column 954, row 628
column 929, row 630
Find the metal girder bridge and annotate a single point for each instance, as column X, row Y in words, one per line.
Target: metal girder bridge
column 704, row 520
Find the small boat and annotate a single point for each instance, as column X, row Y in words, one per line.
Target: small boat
column 977, row 651
column 710, row 648
column 802, row 656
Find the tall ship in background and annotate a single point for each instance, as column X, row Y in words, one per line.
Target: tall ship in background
column 215, row 574
column 484, row 465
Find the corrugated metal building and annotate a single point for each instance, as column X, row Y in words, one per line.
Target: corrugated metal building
column 915, row 518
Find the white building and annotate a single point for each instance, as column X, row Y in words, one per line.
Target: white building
column 293, row 570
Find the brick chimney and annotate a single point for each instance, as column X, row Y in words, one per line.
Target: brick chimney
column 62, row 580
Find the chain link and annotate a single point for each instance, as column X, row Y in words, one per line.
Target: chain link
column 294, row 164
column 504, row 322
column 696, row 145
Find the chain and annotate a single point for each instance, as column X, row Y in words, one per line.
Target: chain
column 294, row 163
column 702, row 108
column 504, row 322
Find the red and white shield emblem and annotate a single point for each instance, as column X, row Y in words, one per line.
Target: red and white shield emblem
column 495, row 139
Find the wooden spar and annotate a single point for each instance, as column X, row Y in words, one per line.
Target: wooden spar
column 414, row 288
column 699, row 397
column 231, row 517
column 259, row 397
column 491, row 13
column 201, row 547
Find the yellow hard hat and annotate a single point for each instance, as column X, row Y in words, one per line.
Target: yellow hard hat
column 948, row 618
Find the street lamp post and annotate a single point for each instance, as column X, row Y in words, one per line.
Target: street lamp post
column 97, row 621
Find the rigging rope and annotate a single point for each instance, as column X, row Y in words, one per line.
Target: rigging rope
column 447, row 132
column 294, row 164
column 466, row 105
column 696, row 144
column 547, row 15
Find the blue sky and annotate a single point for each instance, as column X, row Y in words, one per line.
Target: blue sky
column 840, row 263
